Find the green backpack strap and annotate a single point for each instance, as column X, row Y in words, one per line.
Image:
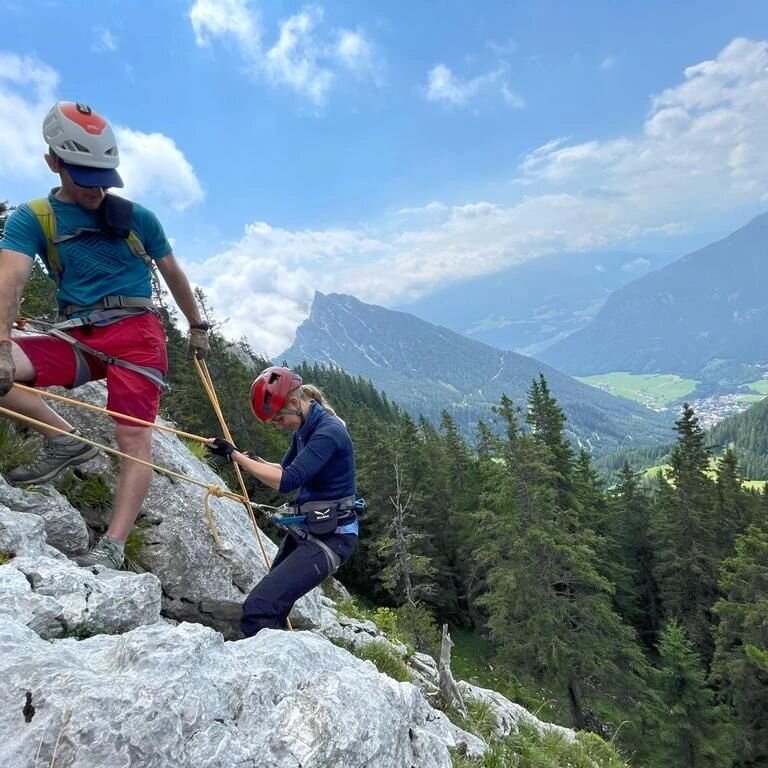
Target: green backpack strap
column 47, row 219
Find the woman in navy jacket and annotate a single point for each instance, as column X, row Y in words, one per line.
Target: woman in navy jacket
column 320, row 464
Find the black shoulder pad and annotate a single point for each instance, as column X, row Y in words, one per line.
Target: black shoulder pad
column 117, row 216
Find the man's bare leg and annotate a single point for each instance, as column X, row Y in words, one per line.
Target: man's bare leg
column 29, row 404
column 134, row 479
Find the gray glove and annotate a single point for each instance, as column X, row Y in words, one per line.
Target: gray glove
column 7, row 368
column 199, row 346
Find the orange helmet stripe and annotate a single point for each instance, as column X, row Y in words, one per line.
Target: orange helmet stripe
column 90, row 123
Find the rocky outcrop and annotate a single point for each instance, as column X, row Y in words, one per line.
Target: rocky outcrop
column 117, row 668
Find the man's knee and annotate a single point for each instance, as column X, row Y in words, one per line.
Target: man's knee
column 136, row 441
column 25, row 370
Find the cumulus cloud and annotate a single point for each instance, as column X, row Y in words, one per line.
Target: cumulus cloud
column 306, row 56
column 27, row 91
column 699, row 150
column 151, row 164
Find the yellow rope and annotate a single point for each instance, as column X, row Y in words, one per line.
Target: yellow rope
column 99, row 409
column 207, row 381
column 211, row 489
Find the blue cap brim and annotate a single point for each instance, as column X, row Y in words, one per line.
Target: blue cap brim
column 84, row 176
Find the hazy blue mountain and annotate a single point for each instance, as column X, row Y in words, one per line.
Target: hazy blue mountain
column 427, row 369
column 699, row 315
column 530, row 306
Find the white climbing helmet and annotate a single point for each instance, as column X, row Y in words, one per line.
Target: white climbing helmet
column 85, row 142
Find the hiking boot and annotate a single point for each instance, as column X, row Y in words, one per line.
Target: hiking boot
column 106, row 552
column 57, row 454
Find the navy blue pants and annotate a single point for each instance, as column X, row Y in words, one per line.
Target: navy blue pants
column 299, row 566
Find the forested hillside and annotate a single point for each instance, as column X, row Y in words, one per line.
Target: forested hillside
column 427, row 369
column 748, row 433
column 635, row 614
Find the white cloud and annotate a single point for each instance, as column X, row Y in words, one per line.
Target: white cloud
column 443, row 85
column 505, row 49
column 305, row 56
column 700, row 150
column 151, row 164
column 104, row 41
column 27, row 91
column 153, row 167
column 446, row 87
column 295, row 58
column 608, row 63
column 216, row 18
column 353, row 50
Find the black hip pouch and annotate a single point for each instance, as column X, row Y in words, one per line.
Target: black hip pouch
column 322, row 521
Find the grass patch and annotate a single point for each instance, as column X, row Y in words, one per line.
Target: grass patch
column 412, row 625
column 16, row 447
column 6, row 557
column 526, row 748
column 760, row 386
column 197, row 449
column 386, row 661
column 92, row 493
column 652, row 473
column 654, row 390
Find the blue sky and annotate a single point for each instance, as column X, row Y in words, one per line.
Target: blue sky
column 386, row 149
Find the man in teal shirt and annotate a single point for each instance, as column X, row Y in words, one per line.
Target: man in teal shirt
column 103, row 284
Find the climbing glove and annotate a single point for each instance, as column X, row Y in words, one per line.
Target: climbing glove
column 198, row 346
column 220, row 447
column 7, row 367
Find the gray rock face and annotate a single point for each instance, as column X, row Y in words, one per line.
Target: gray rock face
column 162, row 696
column 509, row 715
column 65, row 528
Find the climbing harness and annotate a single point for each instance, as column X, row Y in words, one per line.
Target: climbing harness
column 313, row 519
column 80, row 349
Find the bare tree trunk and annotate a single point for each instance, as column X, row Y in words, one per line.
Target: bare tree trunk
column 448, row 688
column 401, row 546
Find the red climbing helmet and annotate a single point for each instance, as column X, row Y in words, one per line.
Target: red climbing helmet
column 270, row 391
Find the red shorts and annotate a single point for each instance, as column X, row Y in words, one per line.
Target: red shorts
column 139, row 339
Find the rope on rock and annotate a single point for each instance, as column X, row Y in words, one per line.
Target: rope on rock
column 207, row 382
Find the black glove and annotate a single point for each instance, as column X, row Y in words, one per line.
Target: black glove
column 7, row 368
column 221, row 447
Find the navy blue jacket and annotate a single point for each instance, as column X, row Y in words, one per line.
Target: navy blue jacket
column 321, row 459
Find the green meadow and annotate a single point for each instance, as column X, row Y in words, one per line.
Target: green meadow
column 655, row 390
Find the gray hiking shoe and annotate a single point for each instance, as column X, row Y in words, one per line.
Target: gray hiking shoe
column 106, row 552
column 57, row 454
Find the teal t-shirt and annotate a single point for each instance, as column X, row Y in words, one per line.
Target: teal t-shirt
column 93, row 265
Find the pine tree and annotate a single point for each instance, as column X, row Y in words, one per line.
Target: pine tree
column 637, row 595
column 740, row 665
column 684, row 536
column 734, row 506
column 690, row 729
column 549, row 608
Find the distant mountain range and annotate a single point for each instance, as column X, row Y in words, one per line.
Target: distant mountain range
column 427, row 369
column 701, row 316
column 530, row 306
